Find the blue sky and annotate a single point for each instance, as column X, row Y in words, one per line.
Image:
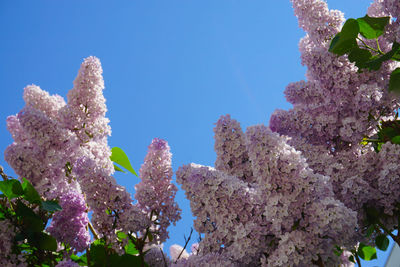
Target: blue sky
column 171, row 68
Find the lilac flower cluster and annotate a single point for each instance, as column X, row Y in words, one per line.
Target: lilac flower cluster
column 155, row 193
column 62, row 149
column 332, row 112
column 69, row 225
column 281, row 208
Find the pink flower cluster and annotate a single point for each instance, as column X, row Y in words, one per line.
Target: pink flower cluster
column 155, row 193
column 332, row 113
column 280, row 208
column 62, row 149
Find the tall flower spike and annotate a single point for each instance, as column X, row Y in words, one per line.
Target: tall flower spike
column 155, row 193
column 86, row 109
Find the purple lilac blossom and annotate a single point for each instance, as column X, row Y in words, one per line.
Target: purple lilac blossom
column 155, row 257
column 230, row 147
column 332, row 112
column 155, row 193
column 67, row 263
column 62, row 147
column 70, row 224
column 287, row 212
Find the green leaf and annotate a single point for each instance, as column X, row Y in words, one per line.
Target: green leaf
column 11, row 188
column 125, row 260
column 130, row 248
column 396, row 140
column 98, row 254
column 45, row 241
column 82, row 260
column 118, row 156
column 30, row 192
column 394, row 82
column 29, row 219
column 51, row 206
column 351, row 258
column 121, row 235
column 370, row 230
column 118, row 169
column 360, row 56
column 366, row 253
column 382, row 242
column 350, row 29
column 372, row 28
column 376, row 62
column 2, row 215
column 345, row 40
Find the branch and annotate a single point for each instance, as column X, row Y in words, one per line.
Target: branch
column 357, row 259
column 165, row 263
column 186, row 243
column 96, row 236
column 2, row 174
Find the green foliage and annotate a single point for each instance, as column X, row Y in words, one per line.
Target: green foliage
column 372, row 28
column 11, row 188
column 366, row 56
column 30, row 192
column 29, row 215
column 118, row 156
column 51, row 206
column 101, row 255
column 382, row 242
column 394, row 82
column 366, row 253
column 345, row 40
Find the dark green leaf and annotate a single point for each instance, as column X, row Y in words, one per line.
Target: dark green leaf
column 396, row 140
column 341, row 46
column 45, row 241
column 51, row 206
column 351, row 258
column 345, row 40
column 359, row 56
column 30, row 220
column 30, row 192
column 394, row 82
column 370, row 230
column 118, row 156
column 98, row 254
column 376, row 62
column 350, row 29
column 125, row 260
column 19, row 237
column 372, row 28
column 11, row 188
column 366, row 253
column 382, row 242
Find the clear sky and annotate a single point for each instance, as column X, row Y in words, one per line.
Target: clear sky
column 171, row 68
